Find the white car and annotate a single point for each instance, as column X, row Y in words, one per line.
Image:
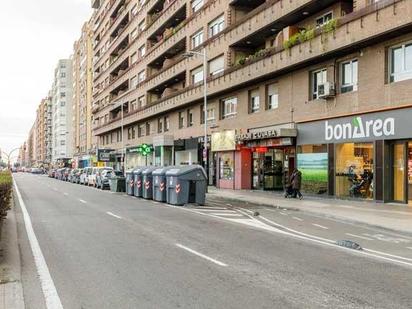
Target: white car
column 92, row 177
column 85, row 175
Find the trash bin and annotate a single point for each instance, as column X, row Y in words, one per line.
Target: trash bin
column 147, row 178
column 129, row 182
column 138, row 182
column 118, row 184
column 186, row 184
column 159, row 183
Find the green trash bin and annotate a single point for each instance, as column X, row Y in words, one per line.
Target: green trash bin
column 118, row 184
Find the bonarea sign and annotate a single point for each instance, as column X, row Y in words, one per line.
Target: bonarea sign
column 362, row 128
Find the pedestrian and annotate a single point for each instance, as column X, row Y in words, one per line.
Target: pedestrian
column 296, row 182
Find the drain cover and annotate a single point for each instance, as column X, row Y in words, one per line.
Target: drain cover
column 349, row 244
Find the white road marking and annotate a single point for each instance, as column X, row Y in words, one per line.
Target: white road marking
column 321, row 226
column 113, row 215
column 51, row 296
column 82, row 201
column 226, row 214
column 216, row 209
column 283, row 214
column 201, row 255
column 296, row 218
column 409, row 248
column 358, row 236
column 387, row 254
column 66, row 194
column 55, row 189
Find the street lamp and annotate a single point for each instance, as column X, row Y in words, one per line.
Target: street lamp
column 8, row 155
column 203, row 54
column 123, row 149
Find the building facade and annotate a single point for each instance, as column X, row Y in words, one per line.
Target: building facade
column 48, row 129
column 324, row 86
column 84, row 148
column 61, row 98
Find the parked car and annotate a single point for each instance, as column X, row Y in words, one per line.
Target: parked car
column 71, row 175
column 36, row 170
column 76, row 175
column 66, row 173
column 13, row 169
column 52, row 172
column 92, row 177
column 105, row 177
column 84, row 177
column 101, row 177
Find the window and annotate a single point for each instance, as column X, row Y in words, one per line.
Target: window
column 216, row 65
column 189, row 118
column 63, row 94
column 129, row 133
column 133, row 82
column 62, row 74
column 254, row 100
column 148, row 128
column 133, row 58
column 181, row 120
column 133, row 105
column 141, row 101
column 216, row 25
column 210, row 114
column 229, row 108
column 197, row 75
column 318, row 77
column 167, row 123
column 320, row 21
column 134, row 10
column 273, row 96
column 141, row 76
column 140, row 130
column 133, row 34
column 226, row 166
column 141, row 26
column 62, row 143
column 62, row 103
column 400, row 62
column 159, row 125
column 196, row 5
column 349, row 76
column 142, row 50
column 197, row 39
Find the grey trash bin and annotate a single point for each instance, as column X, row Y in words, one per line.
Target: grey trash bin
column 159, row 183
column 129, row 182
column 148, row 182
column 186, row 184
column 138, row 182
column 118, row 184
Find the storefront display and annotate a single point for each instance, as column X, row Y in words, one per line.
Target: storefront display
column 227, row 166
column 312, row 161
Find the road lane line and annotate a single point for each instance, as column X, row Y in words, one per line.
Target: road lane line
column 358, row 236
column 51, row 296
column 283, row 214
column 82, row 201
column 296, row 218
column 113, row 215
column 320, row 226
column 225, row 214
column 66, row 194
column 409, row 248
column 201, row 255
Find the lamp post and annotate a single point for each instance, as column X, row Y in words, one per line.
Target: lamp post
column 204, row 55
column 122, row 128
column 8, row 155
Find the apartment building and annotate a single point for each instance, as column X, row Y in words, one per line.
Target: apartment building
column 61, row 97
column 40, row 137
column 48, row 129
column 84, row 148
column 323, row 86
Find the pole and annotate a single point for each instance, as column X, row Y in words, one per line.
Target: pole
column 205, row 106
column 123, row 150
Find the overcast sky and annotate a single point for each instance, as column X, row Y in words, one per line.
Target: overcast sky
column 34, row 35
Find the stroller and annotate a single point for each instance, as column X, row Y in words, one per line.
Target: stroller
column 289, row 192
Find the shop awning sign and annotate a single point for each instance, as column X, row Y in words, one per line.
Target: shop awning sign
column 104, row 155
column 256, row 135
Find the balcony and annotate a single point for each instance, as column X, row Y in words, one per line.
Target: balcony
column 347, row 36
column 96, row 4
column 167, row 88
column 167, row 58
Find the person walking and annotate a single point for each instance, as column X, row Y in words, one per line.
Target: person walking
column 296, row 182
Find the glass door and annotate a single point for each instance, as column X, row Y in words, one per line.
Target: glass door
column 398, row 170
column 409, row 173
column 257, row 173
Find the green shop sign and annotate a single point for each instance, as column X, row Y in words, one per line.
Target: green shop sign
column 143, row 149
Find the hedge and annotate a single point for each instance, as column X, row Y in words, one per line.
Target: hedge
column 6, row 188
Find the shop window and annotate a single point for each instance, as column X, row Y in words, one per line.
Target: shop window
column 349, row 76
column 229, row 108
column 321, row 20
column 354, row 170
column 227, row 166
column 197, row 39
column 317, row 78
column 216, row 25
column 312, row 161
column 400, row 62
column 254, row 101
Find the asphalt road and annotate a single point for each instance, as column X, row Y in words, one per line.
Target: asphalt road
column 107, row 250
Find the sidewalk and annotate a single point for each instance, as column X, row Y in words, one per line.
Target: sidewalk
column 389, row 216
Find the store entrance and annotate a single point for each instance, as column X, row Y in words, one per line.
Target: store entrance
column 401, row 171
column 268, row 168
column 410, row 173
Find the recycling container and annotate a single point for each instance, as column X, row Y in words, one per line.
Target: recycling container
column 147, row 178
column 159, row 183
column 186, row 184
column 138, row 181
column 118, row 184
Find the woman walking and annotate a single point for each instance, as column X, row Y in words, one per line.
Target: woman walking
column 296, row 183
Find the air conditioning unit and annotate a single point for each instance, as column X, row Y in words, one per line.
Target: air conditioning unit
column 326, row 90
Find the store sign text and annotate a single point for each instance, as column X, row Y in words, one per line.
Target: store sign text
column 358, row 129
column 256, row 135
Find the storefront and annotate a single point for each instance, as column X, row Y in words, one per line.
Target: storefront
column 187, row 151
column 366, row 156
column 272, row 151
column 163, row 150
column 141, row 155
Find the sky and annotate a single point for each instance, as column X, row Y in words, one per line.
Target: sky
column 34, row 34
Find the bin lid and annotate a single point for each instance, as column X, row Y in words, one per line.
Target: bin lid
column 138, row 170
column 149, row 170
column 161, row 171
column 185, row 169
